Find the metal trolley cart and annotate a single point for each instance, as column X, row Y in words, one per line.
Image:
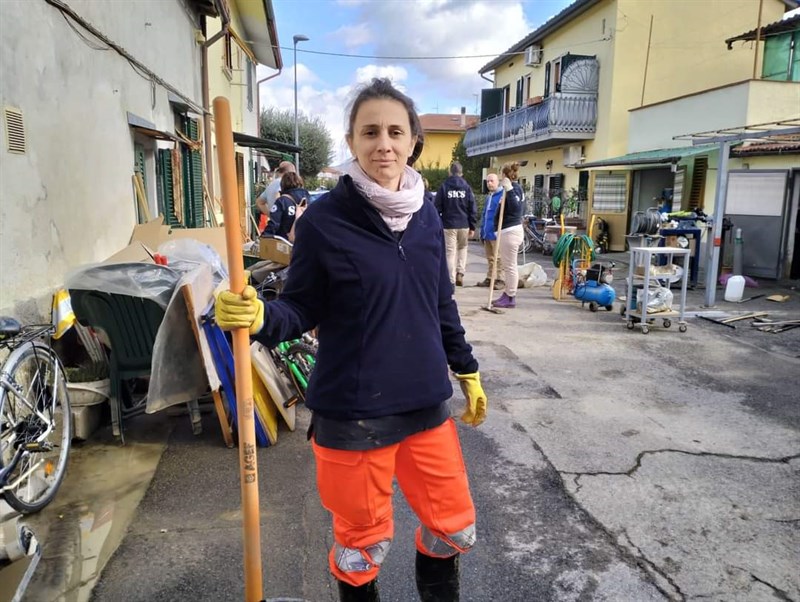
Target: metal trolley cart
column 643, row 256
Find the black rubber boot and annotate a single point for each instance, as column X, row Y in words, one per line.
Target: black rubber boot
column 437, row 578
column 363, row 593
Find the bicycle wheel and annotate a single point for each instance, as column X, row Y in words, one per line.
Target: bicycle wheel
column 35, row 427
column 527, row 241
column 303, row 357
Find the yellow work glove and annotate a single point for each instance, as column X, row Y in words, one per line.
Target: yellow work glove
column 475, row 408
column 239, row 311
column 506, row 184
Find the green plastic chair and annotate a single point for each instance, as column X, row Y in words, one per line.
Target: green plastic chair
column 131, row 324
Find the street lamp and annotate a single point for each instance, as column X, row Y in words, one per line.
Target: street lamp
column 297, row 38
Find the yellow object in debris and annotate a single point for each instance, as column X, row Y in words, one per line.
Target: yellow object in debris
column 62, row 314
column 778, row 298
column 266, row 412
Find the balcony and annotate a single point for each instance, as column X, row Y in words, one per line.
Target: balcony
column 561, row 118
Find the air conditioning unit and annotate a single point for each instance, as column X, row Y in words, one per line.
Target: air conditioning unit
column 573, row 155
column 533, row 56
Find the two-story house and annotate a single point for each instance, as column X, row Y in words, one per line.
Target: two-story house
column 562, row 95
column 442, row 133
column 103, row 127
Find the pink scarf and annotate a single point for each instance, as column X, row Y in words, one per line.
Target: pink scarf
column 395, row 207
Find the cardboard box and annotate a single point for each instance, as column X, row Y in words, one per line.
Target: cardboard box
column 278, row 250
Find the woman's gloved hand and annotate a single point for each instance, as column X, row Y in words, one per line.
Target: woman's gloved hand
column 239, row 311
column 506, row 184
column 475, row 408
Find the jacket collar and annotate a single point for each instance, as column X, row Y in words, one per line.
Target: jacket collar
column 357, row 208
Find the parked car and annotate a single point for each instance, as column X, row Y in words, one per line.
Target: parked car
column 315, row 194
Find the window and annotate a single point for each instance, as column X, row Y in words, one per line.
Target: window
column 782, row 57
column 610, row 193
column 249, row 68
column 520, row 92
column 227, row 56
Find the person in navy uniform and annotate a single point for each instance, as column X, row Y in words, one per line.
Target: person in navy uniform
column 458, row 210
column 284, row 210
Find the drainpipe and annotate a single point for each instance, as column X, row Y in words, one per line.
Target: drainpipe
column 207, row 104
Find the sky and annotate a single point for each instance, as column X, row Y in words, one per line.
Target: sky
column 407, row 33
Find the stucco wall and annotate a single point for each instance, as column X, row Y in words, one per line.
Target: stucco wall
column 687, row 54
column 233, row 86
column 438, row 150
column 655, row 126
column 747, row 103
column 68, row 200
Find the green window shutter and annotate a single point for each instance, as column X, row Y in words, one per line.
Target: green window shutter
column 249, row 68
column 777, row 53
column 192, row 160
column 166, row 194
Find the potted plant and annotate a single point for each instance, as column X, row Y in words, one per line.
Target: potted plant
column 88, row 384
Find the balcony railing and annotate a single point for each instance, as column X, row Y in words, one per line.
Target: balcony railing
column 560, row 117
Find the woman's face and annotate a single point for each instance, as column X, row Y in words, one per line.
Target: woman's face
column 382, row 140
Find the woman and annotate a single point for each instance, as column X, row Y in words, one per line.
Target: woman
column 511, row 234
column 283, row 211
column 369, row 268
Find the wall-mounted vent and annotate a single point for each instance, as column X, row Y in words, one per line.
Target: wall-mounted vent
column 15, row 131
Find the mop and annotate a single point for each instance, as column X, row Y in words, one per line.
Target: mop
column 488, row 306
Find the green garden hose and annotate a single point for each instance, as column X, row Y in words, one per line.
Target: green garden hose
column 569, row 245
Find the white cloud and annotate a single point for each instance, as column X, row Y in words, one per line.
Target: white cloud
column 446, row 28
column 395, row 73
column 423, row 28
column 353, row 36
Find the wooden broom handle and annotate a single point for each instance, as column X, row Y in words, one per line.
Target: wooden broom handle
column 248, row 468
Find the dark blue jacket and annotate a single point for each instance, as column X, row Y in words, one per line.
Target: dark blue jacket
column 282, row 212
column 489, row 224
column 388, row 324
column 512, row 212
column 456, row 204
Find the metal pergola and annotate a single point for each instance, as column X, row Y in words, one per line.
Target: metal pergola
column 775, row 131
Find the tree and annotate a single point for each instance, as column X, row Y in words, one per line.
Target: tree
column 473, row 166
column 316, row 143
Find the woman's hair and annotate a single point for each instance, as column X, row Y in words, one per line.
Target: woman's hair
column 378, row 88
column 511, row 170
column 290, row 181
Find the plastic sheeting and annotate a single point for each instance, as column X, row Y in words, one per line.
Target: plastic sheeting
column 177, row 372
column 145, row 280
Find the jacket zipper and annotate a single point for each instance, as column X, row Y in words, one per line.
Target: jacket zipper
column 400, row 251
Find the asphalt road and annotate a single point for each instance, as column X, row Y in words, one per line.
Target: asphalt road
column 613, row 466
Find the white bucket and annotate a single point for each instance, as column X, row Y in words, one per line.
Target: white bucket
column 734, row 289
column 89, row 393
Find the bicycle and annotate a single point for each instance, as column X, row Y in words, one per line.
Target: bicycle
column 533, row 237
column 35, row 417
column 296, row 359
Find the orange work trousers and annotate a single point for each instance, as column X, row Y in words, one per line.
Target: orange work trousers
column 356, row 487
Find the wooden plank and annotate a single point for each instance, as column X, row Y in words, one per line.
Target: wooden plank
column 141, row 196
column 197, row 293
column 227, row 433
